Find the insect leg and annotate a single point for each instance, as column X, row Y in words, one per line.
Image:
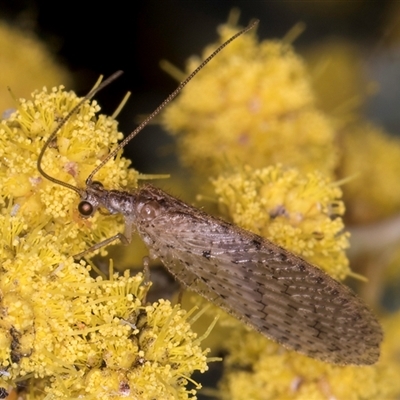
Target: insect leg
column 146, row 275
column 124, row 240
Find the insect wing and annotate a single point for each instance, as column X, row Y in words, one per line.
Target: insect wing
column 274, row 291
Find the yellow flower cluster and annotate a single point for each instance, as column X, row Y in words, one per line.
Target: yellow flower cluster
column 374, row 157
column 259, row 369
column 65, row 333
column 253, row 104
column 81, row 145
column 338, row 75
column 300, row 212
column 26, row 64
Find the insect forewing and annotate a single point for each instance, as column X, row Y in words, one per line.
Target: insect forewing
column 276, row 292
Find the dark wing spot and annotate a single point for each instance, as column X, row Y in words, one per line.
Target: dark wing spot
column 256, row 244
column 282, row 257
column 207, row 254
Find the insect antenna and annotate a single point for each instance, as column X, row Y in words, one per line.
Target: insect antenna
column 93, row 92
column 168, row 100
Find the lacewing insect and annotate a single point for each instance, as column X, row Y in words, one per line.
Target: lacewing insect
column 269, row 288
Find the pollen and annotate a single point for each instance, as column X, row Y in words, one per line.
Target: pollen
column 62, row 329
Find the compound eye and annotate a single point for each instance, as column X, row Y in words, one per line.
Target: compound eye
column 150, row 210
column 85, row 209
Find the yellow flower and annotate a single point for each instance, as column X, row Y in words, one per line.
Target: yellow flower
column 26, row 64
column 81, row 145
column 62, row 329
column 258, row 369
column 339, row 79
column 373, row 158
column 253, row 104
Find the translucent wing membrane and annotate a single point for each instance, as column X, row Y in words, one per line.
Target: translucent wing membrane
column 276, row 292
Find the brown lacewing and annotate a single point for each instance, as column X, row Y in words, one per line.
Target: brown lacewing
column 269, row 288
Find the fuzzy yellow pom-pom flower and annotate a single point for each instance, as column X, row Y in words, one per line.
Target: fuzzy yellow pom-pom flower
column 81, row 145
column 253, row 104
column 300, row 212
column 25, row 64
column 65, row 333
column 373, row 157
column 339, row 80
column 258, row 369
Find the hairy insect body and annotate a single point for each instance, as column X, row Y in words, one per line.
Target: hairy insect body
column 276, row 292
